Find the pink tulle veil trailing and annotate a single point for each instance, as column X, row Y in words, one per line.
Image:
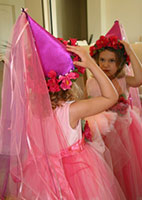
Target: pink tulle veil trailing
column 30, row 138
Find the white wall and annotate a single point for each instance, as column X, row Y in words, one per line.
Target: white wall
column 35, row 10
column 129, row 13
column 94, row 18
column 103, row 13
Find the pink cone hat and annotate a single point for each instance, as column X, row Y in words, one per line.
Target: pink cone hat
column 52, row 52
column 115, row 30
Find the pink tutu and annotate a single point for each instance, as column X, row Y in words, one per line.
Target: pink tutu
column 129, row 176
column 89, row 176
column 123, row 138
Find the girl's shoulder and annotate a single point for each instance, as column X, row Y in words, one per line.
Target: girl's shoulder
column 63, row 107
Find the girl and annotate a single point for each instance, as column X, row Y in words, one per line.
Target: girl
column 122, row 127
column 81, row 169
column 49, row 158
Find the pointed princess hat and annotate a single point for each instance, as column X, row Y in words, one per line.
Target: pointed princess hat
column 111, row 40
column 52, row 52
column 115, row 30
column 56, row 61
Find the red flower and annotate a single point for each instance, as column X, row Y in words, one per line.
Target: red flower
column 53, row 85
column 75, row 58
column 63, row 41
column 87, row 132
column 127, row 60
column 112, row 42
column 123, row 100
column 99, row 44
column 60, row 39
column 80, row 69
column 121, row 107
column 73, row 41
column 52, row 74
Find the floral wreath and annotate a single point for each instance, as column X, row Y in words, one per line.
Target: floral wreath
column 109, row 42
column 56, row 83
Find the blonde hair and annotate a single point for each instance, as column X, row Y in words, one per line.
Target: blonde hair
column 11, row 198
column 58, row 98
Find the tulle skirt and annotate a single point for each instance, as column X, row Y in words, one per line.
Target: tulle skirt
column 89, row 176
column 129, row 174
column 123, row 138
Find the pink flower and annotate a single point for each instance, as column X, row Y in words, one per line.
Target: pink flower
column 73, row 75
column 66, row 83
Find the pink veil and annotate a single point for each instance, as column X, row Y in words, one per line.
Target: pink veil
column 118, row 30
column 31, row 140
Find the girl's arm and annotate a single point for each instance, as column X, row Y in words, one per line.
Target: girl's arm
column 136, row 79
column 92, row 106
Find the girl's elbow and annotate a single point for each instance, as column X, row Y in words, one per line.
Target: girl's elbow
column 140, row 83
column 115, row 98
column 137, row 83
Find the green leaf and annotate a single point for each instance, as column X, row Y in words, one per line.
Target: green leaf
column 83, row 124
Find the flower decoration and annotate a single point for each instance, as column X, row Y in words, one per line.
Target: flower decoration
column 121, row 106
column 109, row 42
column 86, row 132
column 56, row 83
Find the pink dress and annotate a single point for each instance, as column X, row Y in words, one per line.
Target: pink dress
column 88, row 174
column 122, row 134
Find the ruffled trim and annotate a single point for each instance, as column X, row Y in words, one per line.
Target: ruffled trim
column 105, row 121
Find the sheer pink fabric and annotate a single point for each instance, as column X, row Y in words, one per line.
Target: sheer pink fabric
column 118, row 30
column 133, row 92
column 30, row 146
column 123, row 137
column 35, row 160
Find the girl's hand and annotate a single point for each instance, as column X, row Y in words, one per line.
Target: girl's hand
column 136, row 79
column 86, row 59
column 127, row 46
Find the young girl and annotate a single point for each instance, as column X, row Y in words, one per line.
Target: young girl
column 49, row 158
column 81, row 165
column 121, row 128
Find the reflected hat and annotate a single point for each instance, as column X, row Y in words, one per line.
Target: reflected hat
column 111, row 41
column 115, row 30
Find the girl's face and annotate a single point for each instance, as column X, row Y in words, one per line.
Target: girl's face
column 107, row 62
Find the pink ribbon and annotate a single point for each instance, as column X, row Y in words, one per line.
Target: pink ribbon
column 76, row 147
